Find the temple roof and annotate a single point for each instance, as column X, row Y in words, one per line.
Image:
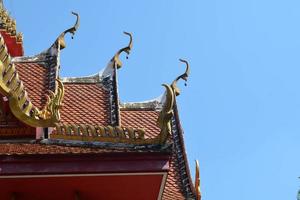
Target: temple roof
column 85, row 115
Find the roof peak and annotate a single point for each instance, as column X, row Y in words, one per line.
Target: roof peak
column 183, row 76
column 61, row 38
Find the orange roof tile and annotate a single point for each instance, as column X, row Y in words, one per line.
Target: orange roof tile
column 141, row 119
column 173, row 186
column 85, row 103
column 35, row 80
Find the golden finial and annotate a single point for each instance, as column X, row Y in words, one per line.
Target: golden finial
column 126, row 49
column 13, row 28
column 4, row 17
column 166, row 114
column 197, row 181
column 19, row 37
column 183, row 76
column 72, row 30
column 2, row 14
column 9, row 25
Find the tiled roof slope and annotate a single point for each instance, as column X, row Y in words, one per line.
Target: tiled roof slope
column 85, row 103
column 173, row 187
column 35, row 79
column 178, row 184
column 141, row 119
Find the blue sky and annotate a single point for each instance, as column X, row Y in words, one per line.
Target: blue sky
column 241, row 108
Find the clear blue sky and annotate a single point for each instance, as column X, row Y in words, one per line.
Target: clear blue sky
column 241, row 109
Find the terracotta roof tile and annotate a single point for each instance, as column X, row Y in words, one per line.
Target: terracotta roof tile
column 85, row 103
column 141, row 119
column 35, row 80
column 173, row 186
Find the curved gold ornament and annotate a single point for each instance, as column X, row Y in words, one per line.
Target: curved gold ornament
column 166, row 114
column 197, row 181
column 86, row 132
column 12, row 87
column 127, row 49
column 61, row 38
column 183, row 76
column 26, row 112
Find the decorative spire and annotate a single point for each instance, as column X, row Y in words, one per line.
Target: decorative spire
column 61, row 38
column 127, row 49
column 197, row 181
column 183, row 76
column 19, row 37
column 166, row 114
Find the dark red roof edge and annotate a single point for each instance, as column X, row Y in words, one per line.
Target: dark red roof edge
column 116, row 99
column 182, row 146
column 128, row 162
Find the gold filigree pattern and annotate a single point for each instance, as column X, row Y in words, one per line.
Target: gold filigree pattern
column 96, row 133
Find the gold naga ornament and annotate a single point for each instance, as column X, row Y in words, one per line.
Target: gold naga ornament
column 183, row 76
column 98, row 133
column 116, row 59
column 197, row 181
column 19, row 102
column 166, row 114
column 61, row 38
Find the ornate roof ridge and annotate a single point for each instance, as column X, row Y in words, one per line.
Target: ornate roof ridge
column 153, row 104
column 41, row 57
column 99, row 133
column 95, row 78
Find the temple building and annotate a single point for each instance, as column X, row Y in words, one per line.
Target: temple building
column 72, row 138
